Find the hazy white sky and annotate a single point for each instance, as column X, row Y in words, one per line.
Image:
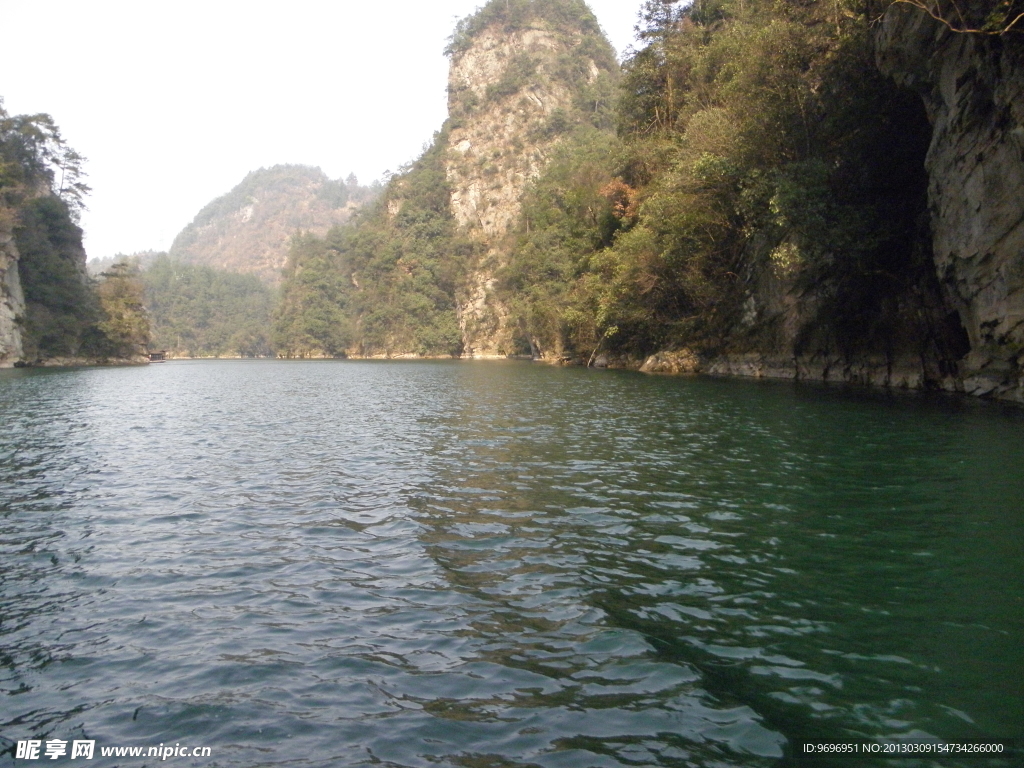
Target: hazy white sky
column 174, row 102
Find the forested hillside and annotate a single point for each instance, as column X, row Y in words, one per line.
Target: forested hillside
column 214, row 293
column 416, row 272
column 386, row 284
column 50, row 310
column 753, row 197
column 764, row 173
column 199, row 311
column 823, row 189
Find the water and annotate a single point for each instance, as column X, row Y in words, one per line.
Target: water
column 488, row 564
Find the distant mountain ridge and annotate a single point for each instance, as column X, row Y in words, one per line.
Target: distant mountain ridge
column 249, row 229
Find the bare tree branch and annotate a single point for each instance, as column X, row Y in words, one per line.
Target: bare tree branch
column 956, row 21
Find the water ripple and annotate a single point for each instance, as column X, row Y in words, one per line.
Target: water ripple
column 424, row 564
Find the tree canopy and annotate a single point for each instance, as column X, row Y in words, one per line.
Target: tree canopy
column 756, row 142
column 199, row 311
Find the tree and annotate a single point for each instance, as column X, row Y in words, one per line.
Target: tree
column 61, row 310
column 125, row 323
column 34, row 143
column 311, row 320
column 200, row 311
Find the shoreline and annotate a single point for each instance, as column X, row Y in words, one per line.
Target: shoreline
column 900, row 375
column 74, row 362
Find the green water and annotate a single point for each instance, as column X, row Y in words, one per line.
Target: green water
column 489, row 564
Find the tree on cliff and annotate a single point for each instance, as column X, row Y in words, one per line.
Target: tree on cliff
column 35, row 155
column 41, row 197
column 125, row 323
column 61, row 309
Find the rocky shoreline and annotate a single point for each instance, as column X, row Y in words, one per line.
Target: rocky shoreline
column 904, row 374
column 75, row 362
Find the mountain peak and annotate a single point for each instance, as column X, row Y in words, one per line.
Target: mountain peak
column 248, row 230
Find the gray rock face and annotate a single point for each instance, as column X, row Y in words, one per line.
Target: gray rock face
column 499, row 144
column 12, row 302
column 973, row 90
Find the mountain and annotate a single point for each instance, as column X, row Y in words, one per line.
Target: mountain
column 141, row 260
column 522, row 79
column 417, row 274
column 248, row 229
column 815, row 191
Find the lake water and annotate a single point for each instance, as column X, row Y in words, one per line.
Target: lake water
column 501, row 564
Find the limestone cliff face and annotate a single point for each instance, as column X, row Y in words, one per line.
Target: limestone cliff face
column 511, row 97
column 12, row 302
column 973, row 89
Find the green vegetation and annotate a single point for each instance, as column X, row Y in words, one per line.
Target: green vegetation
column 975, row 17
column 312, row 320
column 568, row 216
column 125, row 323
column 34, row 158
column 386, row 284
column 41, row 197
column 199, row 311
column 517, row 76
column 571, row 16
column 390, row 283
column 753, row 170
column 757, row 143
column 62, row 312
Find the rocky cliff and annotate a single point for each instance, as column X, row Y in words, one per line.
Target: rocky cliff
column 515, row 87
column 973, row 89
column 12, row 302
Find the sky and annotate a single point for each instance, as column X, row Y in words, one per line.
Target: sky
column 174, row 102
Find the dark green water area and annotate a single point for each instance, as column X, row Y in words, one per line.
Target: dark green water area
column 503, row 564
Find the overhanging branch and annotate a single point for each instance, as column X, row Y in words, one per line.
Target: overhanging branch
column 952, row 16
